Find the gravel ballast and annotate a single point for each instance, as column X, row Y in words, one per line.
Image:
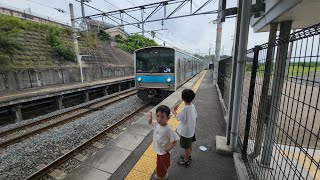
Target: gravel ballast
column 20, row 160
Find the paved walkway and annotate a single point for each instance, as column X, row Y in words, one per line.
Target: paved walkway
column 206, row 164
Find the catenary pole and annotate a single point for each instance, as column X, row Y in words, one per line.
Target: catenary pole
column 235, row 48
column 218, row 40
column 75, row 40
column 243, row 42
column 84, row 23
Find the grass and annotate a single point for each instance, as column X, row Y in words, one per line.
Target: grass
column 294, row 70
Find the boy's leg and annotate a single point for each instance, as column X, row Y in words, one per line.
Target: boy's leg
column 187, row 153
column 163, row 163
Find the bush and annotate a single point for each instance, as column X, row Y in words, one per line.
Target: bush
column 54, row 40
column 119, row 38
column 103, row 36
column 9, row 43
column 248, row 67
column 9, row 23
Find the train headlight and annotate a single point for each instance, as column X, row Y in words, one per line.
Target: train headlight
column 139, row 79
column 168, row 79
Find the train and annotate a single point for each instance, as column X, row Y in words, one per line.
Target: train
column 160, row 70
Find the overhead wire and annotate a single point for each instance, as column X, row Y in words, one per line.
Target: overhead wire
column 145, row 25
column 120, row 24
column 58, row 9
column 200, row 10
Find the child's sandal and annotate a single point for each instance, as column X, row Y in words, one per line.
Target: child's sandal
column 184, row 163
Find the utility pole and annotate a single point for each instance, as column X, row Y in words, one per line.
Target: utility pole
column 243, row 42
column 83, row 15
column 218, row 40
column 75, row 40
column 142, row 12
column 209, row 59
column 234, row 54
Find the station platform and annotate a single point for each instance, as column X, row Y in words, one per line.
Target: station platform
column 130, row 155
column 24, row 95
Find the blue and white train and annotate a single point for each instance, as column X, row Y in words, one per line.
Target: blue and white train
column 159, row 71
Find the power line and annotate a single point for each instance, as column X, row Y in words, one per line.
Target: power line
column 58, row 9
column 132, row 24
column 200, row 10
column 131, row 3
column 162, row 24
column 145, row 25
column 111, row 4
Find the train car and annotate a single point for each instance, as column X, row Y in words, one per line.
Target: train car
column 159, row 71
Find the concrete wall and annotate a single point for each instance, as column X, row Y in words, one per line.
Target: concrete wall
column 29, row 78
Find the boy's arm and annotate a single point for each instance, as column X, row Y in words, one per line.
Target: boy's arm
column 150, row 118
column 174, row 110
column 170, row 146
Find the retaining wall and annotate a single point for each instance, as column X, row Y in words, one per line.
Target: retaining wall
column 29, row 78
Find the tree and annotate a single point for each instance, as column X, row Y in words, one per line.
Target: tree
column 134, row 42
column 103, row 36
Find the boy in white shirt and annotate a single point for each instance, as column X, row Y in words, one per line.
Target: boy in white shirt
column 187, row 124
column 164, row 139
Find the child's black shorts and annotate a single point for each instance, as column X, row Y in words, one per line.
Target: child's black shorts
column 186, row 142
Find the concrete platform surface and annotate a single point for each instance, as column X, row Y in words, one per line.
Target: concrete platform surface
column 24, row 95
column 205, row 164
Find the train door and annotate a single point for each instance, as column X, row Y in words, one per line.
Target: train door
column 179, row 73
column 184, row 71
column 196, row 67
column 193, row 68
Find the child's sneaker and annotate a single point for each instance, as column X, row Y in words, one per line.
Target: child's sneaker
column 184, row 163
column 182, row 158
column 165, row 177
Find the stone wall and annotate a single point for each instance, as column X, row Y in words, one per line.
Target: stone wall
column 29, row 78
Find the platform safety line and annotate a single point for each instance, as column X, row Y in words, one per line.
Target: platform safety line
column 305, row 162
column 146, row 165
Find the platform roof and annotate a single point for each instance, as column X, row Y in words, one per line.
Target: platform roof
column 303, row 13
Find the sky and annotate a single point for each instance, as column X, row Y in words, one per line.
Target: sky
column 193, row 34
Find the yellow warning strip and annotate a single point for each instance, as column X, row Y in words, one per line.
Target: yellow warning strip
column 305, row 162
column 145, row 166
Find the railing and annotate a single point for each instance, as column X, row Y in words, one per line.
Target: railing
column 224, row 78
column 280, row 109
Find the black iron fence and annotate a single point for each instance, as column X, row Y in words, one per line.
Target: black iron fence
column 224, row 78
column 280, row 108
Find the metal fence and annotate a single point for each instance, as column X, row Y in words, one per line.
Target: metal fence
column 224, row 78
column 280, row 108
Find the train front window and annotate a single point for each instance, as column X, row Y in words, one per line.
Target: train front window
column 147, row 60
column 167, row 61
column 155, row 60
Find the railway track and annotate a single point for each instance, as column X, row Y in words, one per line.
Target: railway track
column 13, row 136
column 101, row 134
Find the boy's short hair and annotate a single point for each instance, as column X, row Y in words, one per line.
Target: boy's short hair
column 163, row 109
column 188, row 95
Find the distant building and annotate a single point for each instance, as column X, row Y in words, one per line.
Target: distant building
column 116, row 31
column 95, row 25
column 28, row 15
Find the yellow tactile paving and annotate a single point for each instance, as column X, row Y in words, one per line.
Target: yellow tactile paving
column 305, row 162
column 145, row 166
column 149, row 152
column 134, row 175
